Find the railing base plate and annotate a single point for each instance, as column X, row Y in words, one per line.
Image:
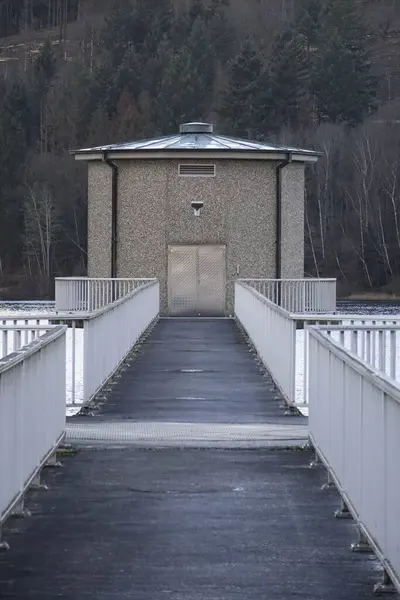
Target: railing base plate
column 342, row 514
column 328, row 486
column 384, row 589
column 362, row 547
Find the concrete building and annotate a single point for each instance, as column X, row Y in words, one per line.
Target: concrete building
column 196, row 210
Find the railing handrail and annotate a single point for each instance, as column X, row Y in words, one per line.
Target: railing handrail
column 105, row 279
column 263, row 299
column 56, row 316
column 384, row 382
column 10, row 360
column 393, row 327
column 24, row 327
column 342, row 317
column 104, row 309
column 308, row 279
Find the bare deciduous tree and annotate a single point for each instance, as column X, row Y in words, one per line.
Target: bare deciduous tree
column 40, row 233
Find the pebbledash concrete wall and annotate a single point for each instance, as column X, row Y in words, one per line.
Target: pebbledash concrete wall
column 292, row 243
column 99, row 220
column 154, row 212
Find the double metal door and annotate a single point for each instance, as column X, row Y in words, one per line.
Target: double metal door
column 196, row 280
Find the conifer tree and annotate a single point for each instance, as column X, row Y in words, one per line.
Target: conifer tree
column 196, row 11
column 14, row 121
column 342, row 81
column 117, row 34
column 187, row 83
column 240, row 99
column 342, row 84
column 202, row 58
column 178, row 97
column 286, row 90
column 308, row 21
column 45, row 64
column 343, row 18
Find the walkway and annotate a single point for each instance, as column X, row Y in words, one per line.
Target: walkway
column 196, row 371
column 196, row 381
column 145, row 523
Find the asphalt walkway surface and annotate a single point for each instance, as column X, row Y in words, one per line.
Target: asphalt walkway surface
column 196, row 370
column 119, row 521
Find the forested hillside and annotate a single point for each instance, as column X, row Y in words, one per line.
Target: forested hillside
column 318, row 73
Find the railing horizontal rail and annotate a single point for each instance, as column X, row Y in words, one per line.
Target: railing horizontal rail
column 306, row 279
column 354, row 424
column 345, row 319
column 105, row 279
column 298, row 295
column 32, row 412
column 88, row 293
column 14, row 337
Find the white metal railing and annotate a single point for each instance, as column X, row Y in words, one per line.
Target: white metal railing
column 296, row 352
column 17, row 330
column 88, row 294
column 372, row 337
column 32, row 412
column 273, row 333
column 354, row 424
column 377, row 345
column 111, row 332
column 14, row 337
column 298, row 295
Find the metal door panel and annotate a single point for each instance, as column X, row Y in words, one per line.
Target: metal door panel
column 211, row 290
column 182, row 280
column 196, row 280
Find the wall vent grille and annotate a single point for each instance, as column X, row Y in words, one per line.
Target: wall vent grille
column 197, row 170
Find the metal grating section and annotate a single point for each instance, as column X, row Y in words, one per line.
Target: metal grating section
column 202, row 170
column 196, row 280
column 153, row 434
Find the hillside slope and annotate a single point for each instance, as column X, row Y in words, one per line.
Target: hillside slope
column 261, row 19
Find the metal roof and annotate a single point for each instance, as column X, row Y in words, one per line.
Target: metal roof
column 194, row 136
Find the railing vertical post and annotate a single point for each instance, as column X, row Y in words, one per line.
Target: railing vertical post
column 73, row 360
column 382, row 353
column 368, row 346
column 4, row 345
column 279, row 293
column 306, row 363
column 86, row 297
column 86, row 362
column 393, row 354
column 373, row 346
column 292, row 398
column 355, row 341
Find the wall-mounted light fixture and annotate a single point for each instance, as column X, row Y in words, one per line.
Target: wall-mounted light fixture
column 197, row 205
